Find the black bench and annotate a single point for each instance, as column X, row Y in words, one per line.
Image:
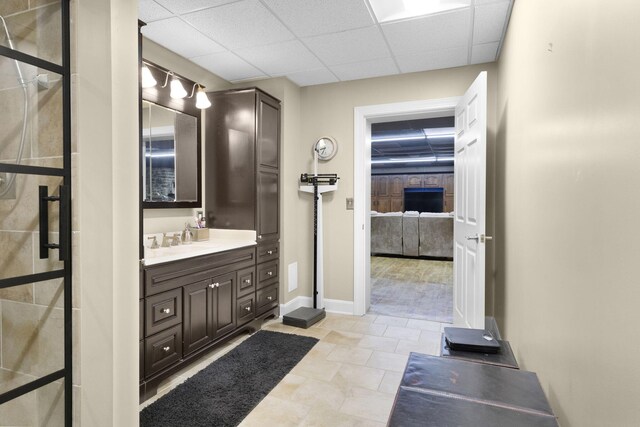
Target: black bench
column 443, row 391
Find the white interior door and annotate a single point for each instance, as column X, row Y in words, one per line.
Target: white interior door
column 469, row 206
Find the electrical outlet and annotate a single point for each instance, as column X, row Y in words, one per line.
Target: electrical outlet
column 349, row 203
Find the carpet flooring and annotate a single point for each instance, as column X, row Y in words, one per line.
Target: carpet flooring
column 412, row 288
column 223, row 393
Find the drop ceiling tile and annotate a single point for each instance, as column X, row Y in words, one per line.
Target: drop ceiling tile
column 246, row 23
column 280, row 58
column 434, row 60
column 489, row 22
column 314, row 17
column 312, row 77
column 349, row 46
column 149, row 11
column 362, row 70
column 228, row 66
column 180, row 37
column 186, row 6
column 442, row 31
column 484, row 53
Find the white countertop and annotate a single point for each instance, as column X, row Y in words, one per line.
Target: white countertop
column 219, row 241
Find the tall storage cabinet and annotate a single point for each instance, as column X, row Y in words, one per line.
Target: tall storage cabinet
column 242, row 177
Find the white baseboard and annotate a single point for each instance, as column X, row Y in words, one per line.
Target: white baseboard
column 297, row 302
column 331, row 305
column 338, row 306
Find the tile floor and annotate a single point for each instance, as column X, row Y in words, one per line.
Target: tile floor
column 349, row 378
column 414, row 288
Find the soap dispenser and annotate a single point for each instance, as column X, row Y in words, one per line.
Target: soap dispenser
column 186, row 235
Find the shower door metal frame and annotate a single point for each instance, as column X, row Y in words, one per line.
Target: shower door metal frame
column 64, row 247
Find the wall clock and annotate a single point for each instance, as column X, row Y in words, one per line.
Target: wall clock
column 326, row 147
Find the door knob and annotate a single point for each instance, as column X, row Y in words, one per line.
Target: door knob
column 482, row 238
column 166, row 310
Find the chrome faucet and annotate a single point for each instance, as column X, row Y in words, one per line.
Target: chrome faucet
column 154, row 243
column 176, row 239
column 166, row 240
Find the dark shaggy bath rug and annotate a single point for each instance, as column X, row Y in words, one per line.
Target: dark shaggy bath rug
column 224, row 393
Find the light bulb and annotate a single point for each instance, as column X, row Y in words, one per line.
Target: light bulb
column 177, row 90
column 147, row 78
column 202, row 100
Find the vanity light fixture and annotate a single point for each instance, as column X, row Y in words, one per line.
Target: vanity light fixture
column 202, row 100
column 147, row 78
column 177, row 88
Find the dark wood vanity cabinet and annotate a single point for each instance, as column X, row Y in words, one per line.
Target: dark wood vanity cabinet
column 190, row 306
column 242, row 162
column 242, row 176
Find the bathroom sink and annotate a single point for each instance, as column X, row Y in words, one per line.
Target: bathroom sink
column 172, row 253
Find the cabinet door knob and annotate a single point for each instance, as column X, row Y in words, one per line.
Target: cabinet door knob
column 269, row 273
column 166, row 310
column 213, row 285
column 269, row 298
column 269, row 252
column 260, row 237
column 247, row 281
column 166, row 349
column 248, row 308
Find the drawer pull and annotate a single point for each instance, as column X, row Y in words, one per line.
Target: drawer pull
column 269, row 298
column 269, row 273
column 166, row 349
column 166, row 310
column 247, row 281
column 269, row 252
column 248, row 308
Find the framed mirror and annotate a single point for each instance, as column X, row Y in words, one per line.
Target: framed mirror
column 170, row 150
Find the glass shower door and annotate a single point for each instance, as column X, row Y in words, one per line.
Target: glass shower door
column 35, row 214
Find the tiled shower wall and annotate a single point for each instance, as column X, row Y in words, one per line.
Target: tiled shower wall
column 31, row 316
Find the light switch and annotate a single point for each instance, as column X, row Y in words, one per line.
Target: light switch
column 349, row 203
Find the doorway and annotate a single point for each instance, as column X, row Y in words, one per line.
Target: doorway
column 365, row 117
column 470, row 111
column 412, row 191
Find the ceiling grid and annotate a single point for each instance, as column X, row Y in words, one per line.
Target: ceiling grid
column 323, row 41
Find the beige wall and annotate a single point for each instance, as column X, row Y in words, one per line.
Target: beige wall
column 567, row 178
column 328, row 110
column 106, row 120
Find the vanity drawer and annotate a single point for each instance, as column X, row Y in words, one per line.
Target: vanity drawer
column 171, row 275
column 163, row 349
column 267, row 298
column 246, row 282
column 246, row 309
column 268, row 252
column 163, row 311
column 267, row 273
